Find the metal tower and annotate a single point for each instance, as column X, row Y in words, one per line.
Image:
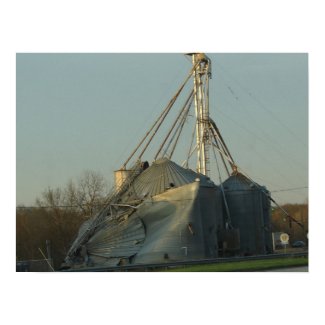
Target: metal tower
column 201, row 76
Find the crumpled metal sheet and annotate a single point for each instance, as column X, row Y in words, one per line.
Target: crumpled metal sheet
column 117, row 239
column 181, row 224
column 85, row 227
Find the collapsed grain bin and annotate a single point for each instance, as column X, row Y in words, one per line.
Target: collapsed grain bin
column 168, row 213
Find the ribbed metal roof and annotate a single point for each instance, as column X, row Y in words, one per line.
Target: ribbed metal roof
column 162, row 175
column 238, row 182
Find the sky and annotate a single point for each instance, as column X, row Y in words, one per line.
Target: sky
column 77, row 112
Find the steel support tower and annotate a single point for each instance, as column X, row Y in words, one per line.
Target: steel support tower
column 201, row 76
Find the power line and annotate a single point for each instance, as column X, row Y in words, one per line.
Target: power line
column 277, row 146
column 258, row 101
column 263, row 157
column 290, row 189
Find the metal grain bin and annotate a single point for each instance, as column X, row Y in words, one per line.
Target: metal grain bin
column 249, row 210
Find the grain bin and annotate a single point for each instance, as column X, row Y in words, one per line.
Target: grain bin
column 249, row 209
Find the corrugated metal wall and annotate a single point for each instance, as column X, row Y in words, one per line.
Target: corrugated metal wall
column 181, row 224
column 250, row 212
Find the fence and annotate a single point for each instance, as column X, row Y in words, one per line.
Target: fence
column 44, row 265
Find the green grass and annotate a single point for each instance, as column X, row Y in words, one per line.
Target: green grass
column 244, row 265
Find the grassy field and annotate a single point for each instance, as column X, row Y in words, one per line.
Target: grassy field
column 243, row 266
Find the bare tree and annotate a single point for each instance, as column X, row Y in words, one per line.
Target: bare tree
column 91, row 192
column 86, row 195
column 58, row 216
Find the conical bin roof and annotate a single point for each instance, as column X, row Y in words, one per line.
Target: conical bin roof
column 239, row 182
column 162, row 175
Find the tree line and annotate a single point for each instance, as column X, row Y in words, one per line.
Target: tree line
column 282, row 223
column 57, row 216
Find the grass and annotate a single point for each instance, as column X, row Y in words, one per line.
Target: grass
column 243, row 266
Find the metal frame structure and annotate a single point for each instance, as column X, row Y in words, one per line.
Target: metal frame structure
column 206, row 131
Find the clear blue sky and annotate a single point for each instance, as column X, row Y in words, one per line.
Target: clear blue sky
column 88, row 111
